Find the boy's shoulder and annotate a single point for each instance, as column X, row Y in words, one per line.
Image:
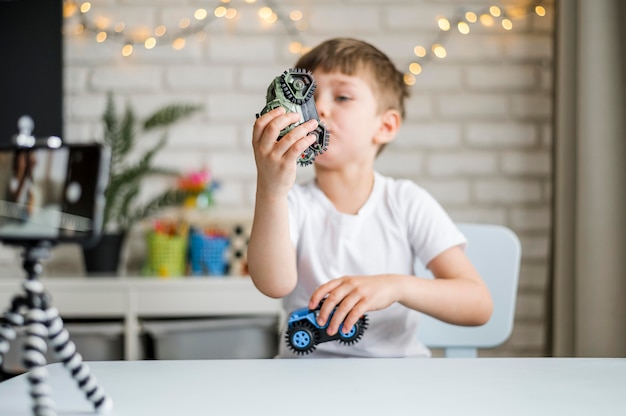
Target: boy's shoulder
column 398, row 186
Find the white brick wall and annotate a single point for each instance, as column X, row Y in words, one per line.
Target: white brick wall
column 477, row 134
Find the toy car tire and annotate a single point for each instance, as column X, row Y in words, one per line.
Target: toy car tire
column 354, row 334
column 300, row 85
column 301, row 338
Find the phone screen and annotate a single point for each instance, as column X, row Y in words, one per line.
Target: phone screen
column 52, row 194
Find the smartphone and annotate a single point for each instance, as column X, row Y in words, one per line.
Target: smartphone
column 53, row 194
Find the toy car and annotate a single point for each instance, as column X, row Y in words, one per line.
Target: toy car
column 304, row 333
column 293, row 90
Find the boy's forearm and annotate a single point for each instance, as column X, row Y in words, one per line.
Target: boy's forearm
column 271, row 255
column 456, row 301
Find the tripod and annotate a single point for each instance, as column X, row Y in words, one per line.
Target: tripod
column 34, row 311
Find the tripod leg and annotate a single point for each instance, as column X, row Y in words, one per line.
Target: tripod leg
column 7, row 334
column 65, row 350
column 13, row 319
column 34, row 361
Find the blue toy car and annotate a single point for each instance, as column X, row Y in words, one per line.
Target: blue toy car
column 304, row 333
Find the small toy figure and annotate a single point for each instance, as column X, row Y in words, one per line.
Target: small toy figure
column 304, row 333
column 293, row 90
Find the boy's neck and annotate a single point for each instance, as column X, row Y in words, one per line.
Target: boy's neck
column 348, row 190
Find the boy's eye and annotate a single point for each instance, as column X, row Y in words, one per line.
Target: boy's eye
column 341, row 98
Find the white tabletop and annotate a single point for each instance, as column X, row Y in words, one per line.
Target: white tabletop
column 362, row 387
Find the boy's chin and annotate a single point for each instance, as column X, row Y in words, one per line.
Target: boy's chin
column 324, row 160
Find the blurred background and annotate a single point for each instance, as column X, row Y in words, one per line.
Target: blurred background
column 478, row 132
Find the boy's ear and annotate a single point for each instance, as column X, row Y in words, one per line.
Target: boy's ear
column 389, row 126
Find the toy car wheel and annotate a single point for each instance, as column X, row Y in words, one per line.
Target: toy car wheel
column 317, row 148
column 297, row 85
column 355, row 333
column 301, row 338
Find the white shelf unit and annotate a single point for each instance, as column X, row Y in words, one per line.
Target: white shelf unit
column 134, row 298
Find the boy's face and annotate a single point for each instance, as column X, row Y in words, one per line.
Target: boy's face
column 349, row 109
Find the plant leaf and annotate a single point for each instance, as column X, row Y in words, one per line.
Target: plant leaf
column 169, row 115
column 168, row 198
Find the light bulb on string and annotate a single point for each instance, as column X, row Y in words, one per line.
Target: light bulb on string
column 540, row 10
column 486, row 20
column 495, row 11
column 463, row 27
column 444, row 24
column 160, row 30
column 409, row 79
column 265, row 12
column 69, row 9
column 150, row 43
column 507, row 24
column 200, row 14
column 85, row 7
column 231, row 13
column 439, row 50
column 415, row 68
column 184, row 23
column 127, row 50
column 220, row 11
column 178, row 43
column 295, row 47
column 295, row 15
column 101, row 37
column 419, row 51
column 471, row 17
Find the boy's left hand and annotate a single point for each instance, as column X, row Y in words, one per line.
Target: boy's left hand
column 353, row 296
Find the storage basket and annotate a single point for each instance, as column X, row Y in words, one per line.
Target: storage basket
column 208, row 254
column 167, row 255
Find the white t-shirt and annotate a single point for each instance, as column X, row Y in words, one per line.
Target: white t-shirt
column 399, row 224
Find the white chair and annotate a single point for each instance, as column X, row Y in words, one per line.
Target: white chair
column 495, row 251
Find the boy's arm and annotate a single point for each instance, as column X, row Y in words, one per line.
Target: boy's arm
column 271, row 255
column 457, row 295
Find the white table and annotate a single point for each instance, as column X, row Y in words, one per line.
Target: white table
column 361, row 387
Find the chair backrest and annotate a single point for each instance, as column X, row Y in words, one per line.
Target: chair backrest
column 495, row 251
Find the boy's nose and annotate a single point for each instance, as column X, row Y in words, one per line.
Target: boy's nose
column 322, row 108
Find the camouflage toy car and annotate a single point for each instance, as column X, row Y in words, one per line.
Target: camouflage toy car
column 293, row 90
column 304, row 333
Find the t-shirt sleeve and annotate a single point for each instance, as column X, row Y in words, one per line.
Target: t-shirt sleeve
column 431, row 230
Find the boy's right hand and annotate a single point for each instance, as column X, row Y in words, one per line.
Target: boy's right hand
column 276, row 159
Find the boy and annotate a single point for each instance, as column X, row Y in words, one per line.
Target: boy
column 352, row 235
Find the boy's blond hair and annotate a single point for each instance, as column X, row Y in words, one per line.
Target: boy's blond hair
column 355, row 57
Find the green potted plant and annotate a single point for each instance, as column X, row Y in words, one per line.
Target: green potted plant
column 123, row 207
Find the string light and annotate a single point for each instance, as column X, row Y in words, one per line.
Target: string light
column 487, row 17
column 294, row 22
column 103, row 30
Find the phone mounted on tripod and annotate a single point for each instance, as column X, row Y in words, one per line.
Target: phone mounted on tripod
column 50, row 190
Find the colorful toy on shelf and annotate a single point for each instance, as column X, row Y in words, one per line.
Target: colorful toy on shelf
column 304, row 333
column 293, row 90
column 199, row 185
column 209, row 251
column 167, row 249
